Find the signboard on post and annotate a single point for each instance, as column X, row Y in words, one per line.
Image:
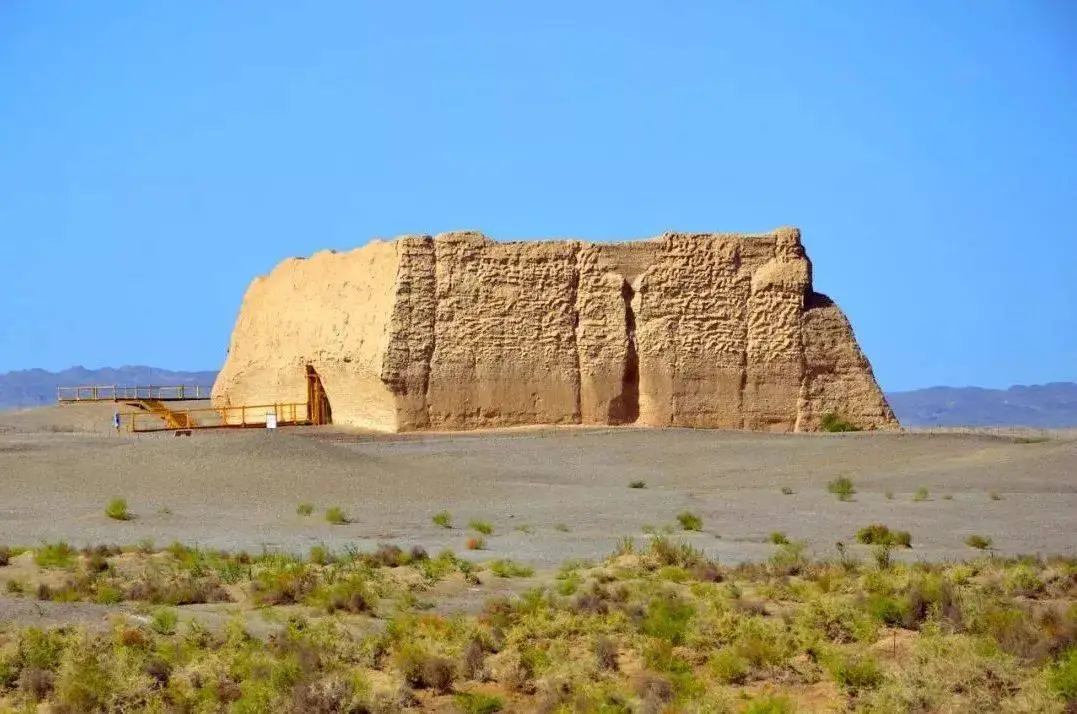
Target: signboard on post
column 271, row 420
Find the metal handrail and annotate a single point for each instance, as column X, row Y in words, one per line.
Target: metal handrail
column 117, row 393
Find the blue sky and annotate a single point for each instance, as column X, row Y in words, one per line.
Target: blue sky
column 155, row 156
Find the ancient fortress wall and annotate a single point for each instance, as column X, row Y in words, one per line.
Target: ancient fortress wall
column 459, row 332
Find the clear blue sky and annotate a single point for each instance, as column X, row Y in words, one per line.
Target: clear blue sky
column 155, row 156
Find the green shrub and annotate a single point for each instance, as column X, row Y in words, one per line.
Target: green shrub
column 443, row 519
column 320, row 555
column 667, row 618
column 478, row 526
column 855, row 673
column 878, row 534
column 831, row 422
column 336, row 515
column 83, row 684
column 889, row 495
column 561, row 528
column 786, row 491
column 55, row 555
column 841, row 487
column 769, row 704
column 478, row 703
column 728, row 667
column 881, row 554
column 921, row 494
column 789, row 559
column 978, row 541
column 304, row 509
column 995, row 496
column 510, row 569
column 637, row 484
column 886, row 609
column 348, row 595
column 1062, row 677
column 779, row 538
column 117, row 510
column 164, row 621
column 690, row 521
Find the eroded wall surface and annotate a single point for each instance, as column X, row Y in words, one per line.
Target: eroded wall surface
column 458, row 331
column 331, row 311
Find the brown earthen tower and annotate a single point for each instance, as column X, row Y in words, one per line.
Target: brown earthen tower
column 458, row 331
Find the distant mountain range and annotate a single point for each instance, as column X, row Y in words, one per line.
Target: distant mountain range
column 1045, row 406
column 37, row 387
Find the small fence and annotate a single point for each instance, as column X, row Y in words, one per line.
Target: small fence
column 114, row 393
column 257, row 416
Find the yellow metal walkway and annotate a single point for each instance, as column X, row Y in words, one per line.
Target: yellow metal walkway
column 154, row 416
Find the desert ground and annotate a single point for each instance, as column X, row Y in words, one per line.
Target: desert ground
column 218, row 594
column 550, row 494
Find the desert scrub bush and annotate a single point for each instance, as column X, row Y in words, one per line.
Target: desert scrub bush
column 978, row 542
column 5, row 555
column 769, row 704
column 506, row 568
column 855, row 673
column 728, row 667
column 789, row 559
column 336, row 516
column 283, row 583
column 606, row 654
column 878, row 534
column 159, row 585
column 55, row 555
column 117, row 510
column 667, row 618
column 561, row 528
column 637, row 484
column 786, row 491
column 478, row 703
column 833, row 423
column 690, row 521
column 842, row 487
column 1062, row 677
column 475, row 543
column 921, row 494
column 164, row 621
column 351, row 594
column 483, row 527
column 423, row 670
column 665, row 552
column 995, row 496
column 778, row 538
column 304, row 509
column 437, row 568
column 443, row 519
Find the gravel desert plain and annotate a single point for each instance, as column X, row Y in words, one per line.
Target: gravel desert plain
column 570, row 569
column 549, row 493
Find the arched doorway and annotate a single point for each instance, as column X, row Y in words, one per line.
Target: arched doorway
column 318, row 409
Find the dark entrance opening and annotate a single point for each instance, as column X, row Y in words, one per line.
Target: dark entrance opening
column 318, row 409
column 624, row 409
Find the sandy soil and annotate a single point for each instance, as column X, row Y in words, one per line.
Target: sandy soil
column 239, row 489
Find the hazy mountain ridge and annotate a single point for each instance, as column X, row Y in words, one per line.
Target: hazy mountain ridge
column 1045, row 406
column 37, row 387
